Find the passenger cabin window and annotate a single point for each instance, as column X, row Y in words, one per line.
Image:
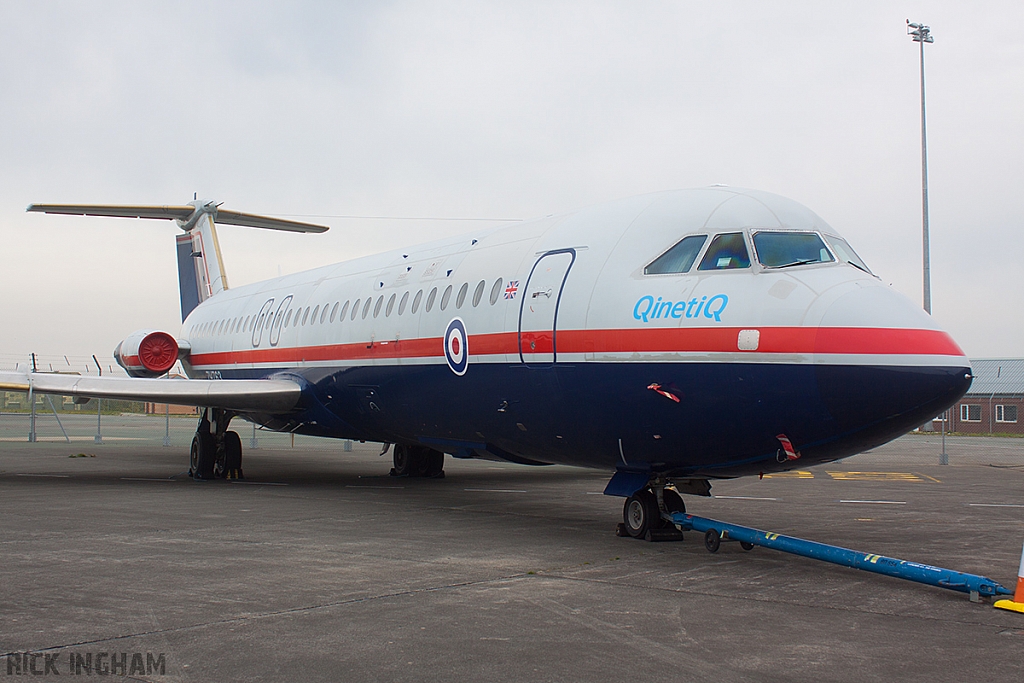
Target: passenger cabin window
column 678, row 259
column 727, row 251
column 846, row 253
column 786, row 249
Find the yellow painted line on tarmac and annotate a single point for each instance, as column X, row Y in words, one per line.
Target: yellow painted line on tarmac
column 929, row 478
column 792, row 474
column 874, row 476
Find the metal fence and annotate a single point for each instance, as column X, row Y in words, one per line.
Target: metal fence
column 85, row 431
column 917, row 449
column 83, row 365
column 989, row 419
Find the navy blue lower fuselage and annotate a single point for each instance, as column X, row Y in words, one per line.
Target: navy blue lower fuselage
column 726, row 422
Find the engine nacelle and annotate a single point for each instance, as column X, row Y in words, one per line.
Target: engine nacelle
column 147, row 353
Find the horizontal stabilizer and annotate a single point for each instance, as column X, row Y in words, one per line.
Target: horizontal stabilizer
column 181, row 213
column 244, row 395
column 251, row 220
column 167, row 212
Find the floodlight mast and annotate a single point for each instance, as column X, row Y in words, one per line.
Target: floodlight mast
column 922, row 34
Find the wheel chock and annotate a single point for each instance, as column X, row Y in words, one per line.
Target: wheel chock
column 667, row 534
column 1017, row 604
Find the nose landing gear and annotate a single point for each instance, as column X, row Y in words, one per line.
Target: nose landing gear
column 644, row 514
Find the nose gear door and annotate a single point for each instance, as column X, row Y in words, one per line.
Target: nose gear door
column 538, row 309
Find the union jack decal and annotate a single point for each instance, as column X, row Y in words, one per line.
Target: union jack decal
column 510, row 291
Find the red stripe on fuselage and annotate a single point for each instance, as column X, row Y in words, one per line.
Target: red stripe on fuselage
column 835, row 340
column 774, row 340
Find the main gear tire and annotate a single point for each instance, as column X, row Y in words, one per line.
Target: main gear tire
column 203, row 456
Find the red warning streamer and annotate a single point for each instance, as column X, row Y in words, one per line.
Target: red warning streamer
column 664, row 392
column 787, row 446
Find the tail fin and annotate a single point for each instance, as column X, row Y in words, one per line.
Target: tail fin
column 188, row 280
column 207, row 276
column 200, row 266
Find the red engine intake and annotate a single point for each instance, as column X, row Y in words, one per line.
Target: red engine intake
column 147, row 353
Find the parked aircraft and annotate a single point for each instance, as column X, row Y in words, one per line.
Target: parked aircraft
column 669, row 339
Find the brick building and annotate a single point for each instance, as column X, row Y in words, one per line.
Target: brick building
column 995, row 402
column 163, row 408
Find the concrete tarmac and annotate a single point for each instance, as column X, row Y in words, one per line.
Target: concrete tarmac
column 321, row 567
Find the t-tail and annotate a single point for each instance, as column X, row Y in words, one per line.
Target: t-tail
column 200, row 265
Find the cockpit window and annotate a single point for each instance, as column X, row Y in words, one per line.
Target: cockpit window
column 678, row 259
column 846, row 253
column 786, row 249
column 726, row 251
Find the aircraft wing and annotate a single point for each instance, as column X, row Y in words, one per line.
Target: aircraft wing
column 256, row 395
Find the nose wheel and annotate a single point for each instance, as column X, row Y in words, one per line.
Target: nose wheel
column 642, row 515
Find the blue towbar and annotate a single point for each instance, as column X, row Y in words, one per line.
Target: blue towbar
column 716, row 531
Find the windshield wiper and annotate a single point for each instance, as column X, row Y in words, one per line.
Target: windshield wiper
column 860, row 268
column 798, row 262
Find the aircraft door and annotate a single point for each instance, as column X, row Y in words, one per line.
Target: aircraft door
column 538, row 309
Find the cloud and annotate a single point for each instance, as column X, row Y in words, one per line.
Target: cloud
column 492, row 109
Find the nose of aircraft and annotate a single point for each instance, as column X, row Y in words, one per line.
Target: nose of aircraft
column 884, row 367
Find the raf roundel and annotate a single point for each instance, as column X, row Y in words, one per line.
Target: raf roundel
column 456, row 346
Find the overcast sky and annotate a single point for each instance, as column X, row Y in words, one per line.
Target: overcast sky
column 512, row 109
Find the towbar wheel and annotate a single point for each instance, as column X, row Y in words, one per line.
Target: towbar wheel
column 712, row 540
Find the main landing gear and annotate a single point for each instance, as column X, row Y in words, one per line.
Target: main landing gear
column 417, row 461
column 216, row 452
column 642, row 514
